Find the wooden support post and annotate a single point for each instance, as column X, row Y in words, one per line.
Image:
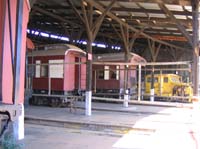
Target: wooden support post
column 139, row 82
column 154, row 53
column 92, row 29
column 152, row 85
column 173, row 18
column 128, row 45
column 49, row 81
column 161, row 84
column 195, row 67
column 79, row 74
column 125, row 38
column 95, row 81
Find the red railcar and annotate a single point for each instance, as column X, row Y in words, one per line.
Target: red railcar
column 110, row 79
column 57, row 69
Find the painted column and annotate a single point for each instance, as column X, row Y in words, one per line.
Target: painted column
column 152, row 85
column 12, row 56
column 139, row 83
column 19, row 125
column 126, row 98
column 88, row 100
column 195, row 68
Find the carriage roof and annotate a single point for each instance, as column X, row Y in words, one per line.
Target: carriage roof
column 118, row 57
column 55, row 49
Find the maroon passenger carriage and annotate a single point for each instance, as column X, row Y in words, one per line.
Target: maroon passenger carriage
column 57, row 69
column 109, row 80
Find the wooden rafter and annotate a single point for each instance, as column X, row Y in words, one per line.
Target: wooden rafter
column 174, row 2
column 153, row 49
column 101, row 18
column 54, row 16
column 98, row 6
column 130, row 10
column 180, row 27
column 93, row 27
column 134, row 37
column 75, row 10
column 116, row 31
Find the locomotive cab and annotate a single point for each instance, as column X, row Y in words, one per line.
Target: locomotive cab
column 168, row 85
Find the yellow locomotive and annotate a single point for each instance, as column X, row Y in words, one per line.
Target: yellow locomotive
column 168, row 85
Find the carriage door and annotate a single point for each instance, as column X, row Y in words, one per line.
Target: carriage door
column 77, row 73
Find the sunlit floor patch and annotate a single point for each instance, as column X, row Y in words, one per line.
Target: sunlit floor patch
column 133, row 140
column 161, row 139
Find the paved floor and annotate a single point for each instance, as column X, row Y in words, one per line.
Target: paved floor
column 44, row 137
column 173, row 127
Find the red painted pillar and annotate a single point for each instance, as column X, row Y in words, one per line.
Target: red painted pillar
column 13, row 24
column 8, row 27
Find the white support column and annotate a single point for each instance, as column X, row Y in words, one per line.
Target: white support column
column 126, row 98
column 19, row 125
column 139, row 84
column 88, row 103
column 49, row 87
column 152, row 95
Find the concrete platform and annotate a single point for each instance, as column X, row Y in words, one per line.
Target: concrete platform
column 158, row 127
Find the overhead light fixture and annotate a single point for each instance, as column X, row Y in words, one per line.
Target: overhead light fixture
column 97, row 11
column 138, row 21
column 109, row 19
column 84, row 3
column 123, row 19
column 154, row 21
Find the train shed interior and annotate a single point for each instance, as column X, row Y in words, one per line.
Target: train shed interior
column 159, row 31
column 132, row 26
column 123, row 72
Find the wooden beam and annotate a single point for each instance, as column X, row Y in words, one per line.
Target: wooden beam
column 99, row 21
column 116, row 31
column 174, row 2
column 196, row 28
column 87, row 25
column 121, row 8
column 157, row 49
column 75, row 10
column 98, row 6
column 180, row 27
column 170, row 38
column 54, row 16
column 124, row 38
column 186, row 13
column 134, row 37
column 153, row 49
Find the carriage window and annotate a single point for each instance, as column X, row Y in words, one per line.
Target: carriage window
column 106, row 73
column 101, row 74
column 56, row 69
column 175, row 79
column 115, row 73
column 165, row 79
column 44, row 71
column 155, row 79
column 37, row 68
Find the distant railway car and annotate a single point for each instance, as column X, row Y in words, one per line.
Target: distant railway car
column 57, row 69
column 168, row 85
column 111, row 79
